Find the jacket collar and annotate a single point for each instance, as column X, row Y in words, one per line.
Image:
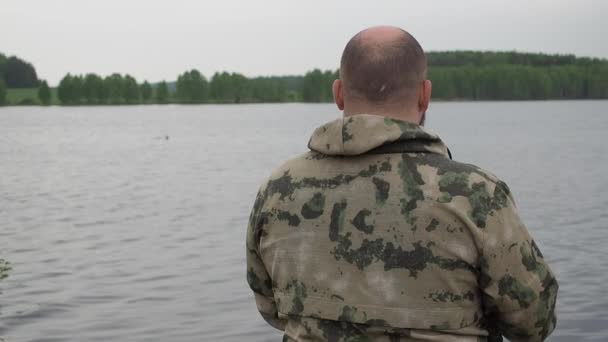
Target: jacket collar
column 373, row 134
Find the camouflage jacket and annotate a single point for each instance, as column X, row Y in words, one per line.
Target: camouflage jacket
column 376, row 234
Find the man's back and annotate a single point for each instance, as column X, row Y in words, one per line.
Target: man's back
column 376, row 232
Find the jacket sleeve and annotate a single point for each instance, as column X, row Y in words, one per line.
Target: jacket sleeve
column 257, row 277
column 519, row 290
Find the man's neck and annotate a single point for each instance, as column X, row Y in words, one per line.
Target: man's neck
column 393, row 114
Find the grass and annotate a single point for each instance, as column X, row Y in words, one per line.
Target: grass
column 28, row 96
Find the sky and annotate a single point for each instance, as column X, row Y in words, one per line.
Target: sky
column 157, row 40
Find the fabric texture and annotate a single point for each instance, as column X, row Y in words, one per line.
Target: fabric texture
column 376, row 234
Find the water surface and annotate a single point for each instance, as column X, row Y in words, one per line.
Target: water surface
column 117, row 233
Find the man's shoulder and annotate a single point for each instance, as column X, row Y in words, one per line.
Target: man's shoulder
column 312, row 162
column 452, row 177
column 281, row 178
column 456, row 183
column 299, row 163
column 445, row 167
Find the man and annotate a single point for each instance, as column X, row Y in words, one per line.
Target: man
column 377, row 235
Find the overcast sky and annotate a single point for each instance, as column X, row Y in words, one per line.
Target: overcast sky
column 157, row 40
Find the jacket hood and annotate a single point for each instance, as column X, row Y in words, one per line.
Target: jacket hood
column 361, row 134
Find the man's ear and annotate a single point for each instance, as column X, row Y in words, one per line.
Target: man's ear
column 338, row 94
column 424, row 96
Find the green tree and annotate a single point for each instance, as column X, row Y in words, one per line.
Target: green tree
column 316, row 85
column 77, row 87
column 146, row 91
column 240, row 88
column 63, row 92
column 162, row 93
column 268, row 89
column 44, row 93
column 2, row 66
column 192, row 87
column 19, row 73
column 68, row 90
column 114, row 85
column 130, row 90
column 2, row 93
column 233, row 88
column 94, row 89
column 220, row 87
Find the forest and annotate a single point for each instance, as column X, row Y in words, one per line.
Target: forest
column 456, row 75
column 470, row 75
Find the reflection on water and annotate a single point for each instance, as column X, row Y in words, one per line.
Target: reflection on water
column 116, row 234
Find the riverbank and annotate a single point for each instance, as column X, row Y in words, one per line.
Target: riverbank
column 29, row 97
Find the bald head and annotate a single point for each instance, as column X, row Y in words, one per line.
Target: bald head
column 382, row 66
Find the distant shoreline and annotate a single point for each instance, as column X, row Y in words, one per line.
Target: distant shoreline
column 177, row 104
column 456, row 76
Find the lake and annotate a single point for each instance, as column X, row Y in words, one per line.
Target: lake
column 128, row 223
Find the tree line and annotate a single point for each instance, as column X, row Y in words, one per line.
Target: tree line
column 92, row 89
column 474, row 75
column 468, row 75
column 486, row 58
column 464, row 82
column 192, row 87
column 520, row 82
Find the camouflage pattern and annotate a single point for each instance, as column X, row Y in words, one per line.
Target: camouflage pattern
column 377, row 235
column 5, row 267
